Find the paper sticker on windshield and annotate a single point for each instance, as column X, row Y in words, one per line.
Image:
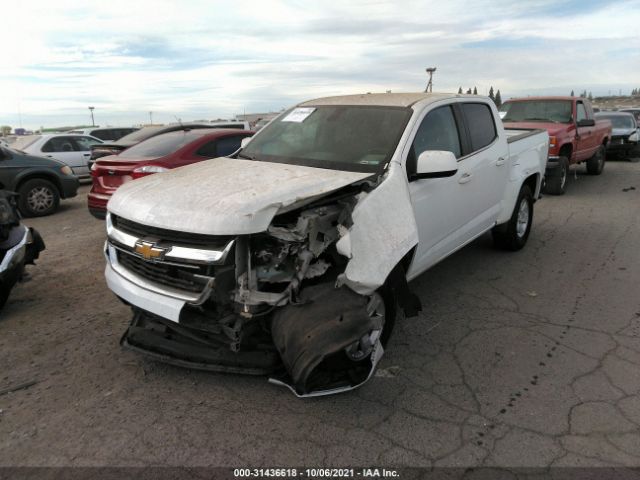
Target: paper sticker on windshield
column 299, row 114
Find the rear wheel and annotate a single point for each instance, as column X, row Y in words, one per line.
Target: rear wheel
column 513, row 235
column 556, row 183
column 595, row 164
column 38, row 197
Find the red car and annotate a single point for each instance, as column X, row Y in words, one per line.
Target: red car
column 158, row 154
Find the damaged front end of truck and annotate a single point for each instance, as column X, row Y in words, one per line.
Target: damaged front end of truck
column 288, row 260
column 282, row 302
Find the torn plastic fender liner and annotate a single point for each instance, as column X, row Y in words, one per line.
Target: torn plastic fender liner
column 384, row 230
column 311, row 338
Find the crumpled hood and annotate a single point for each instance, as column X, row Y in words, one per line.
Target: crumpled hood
column 223, row 196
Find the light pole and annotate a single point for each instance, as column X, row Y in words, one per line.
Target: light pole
column 93, row 123
column 430, row 71
column 150, row 118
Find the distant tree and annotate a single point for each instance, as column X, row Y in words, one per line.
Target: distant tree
column 590, row 97
column 469, row 91
column 475, row 91
column 584, row 94
column 573, row 94
column 460, row 90
column 5, row 130
column 491, row 94
column 498, row 99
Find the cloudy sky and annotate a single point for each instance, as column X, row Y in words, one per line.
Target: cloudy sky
column 207, row 59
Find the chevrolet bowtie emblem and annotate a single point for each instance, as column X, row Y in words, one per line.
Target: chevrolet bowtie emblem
column 149, row 251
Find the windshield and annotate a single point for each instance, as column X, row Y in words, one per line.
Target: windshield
column 161, row 145
column 23, row 142
column 556, row 111
column 622, row 122
column 352, row 138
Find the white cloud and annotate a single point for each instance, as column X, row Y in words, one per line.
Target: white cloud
column 203, row 59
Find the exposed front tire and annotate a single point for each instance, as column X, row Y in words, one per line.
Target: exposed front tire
column 38, row 198
column 556, row 184
column 513, row 235
column 595, row 164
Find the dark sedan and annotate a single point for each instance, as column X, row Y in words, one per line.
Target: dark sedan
column 41, row 182
column 624, row 134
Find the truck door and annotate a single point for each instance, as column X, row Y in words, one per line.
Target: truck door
column 487, row 161
column 449, row 211
column 586, row 142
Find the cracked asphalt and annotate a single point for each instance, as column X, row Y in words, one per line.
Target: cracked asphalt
column 524, row 359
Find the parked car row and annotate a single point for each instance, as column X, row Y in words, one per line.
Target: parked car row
column 287, row 252
column 158, row 154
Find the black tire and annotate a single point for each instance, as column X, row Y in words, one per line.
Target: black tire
column 595, row 164
column 391, row 307
column 38, row 198
column 556, row 184
column 513, row 235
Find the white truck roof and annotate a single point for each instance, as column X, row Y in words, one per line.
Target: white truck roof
column 384, row 99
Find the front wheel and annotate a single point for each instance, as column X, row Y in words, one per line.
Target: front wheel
column 513, row 235
column 38, row 197
column 595, row 164
column 556, row 184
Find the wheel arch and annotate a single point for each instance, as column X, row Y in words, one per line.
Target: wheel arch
column 38, row 175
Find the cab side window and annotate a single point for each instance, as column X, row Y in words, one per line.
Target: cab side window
column 228, row 145
column 479, row 120
column 438, row 131
column 83, row 144
column 58, row 144
column 581, row 113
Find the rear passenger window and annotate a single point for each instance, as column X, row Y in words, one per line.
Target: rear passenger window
column 59, row 144
column 228, row 145
column 482, row 128
column 208, row 150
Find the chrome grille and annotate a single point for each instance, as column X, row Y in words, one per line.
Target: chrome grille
column 182, row 277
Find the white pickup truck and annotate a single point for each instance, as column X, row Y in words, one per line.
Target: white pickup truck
column 292, row 258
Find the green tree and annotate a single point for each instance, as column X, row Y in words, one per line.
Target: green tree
column 460, row 90
column 498, row 99
column 491, row 94
column 469, row 91
column 475, row 91
column 573, row 94
column 590, row 97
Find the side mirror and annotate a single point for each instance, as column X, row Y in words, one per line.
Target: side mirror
column 436, row 164
column 587, row 122
column 244, row 141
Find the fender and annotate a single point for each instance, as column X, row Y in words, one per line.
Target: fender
column 524, row 166
column 384, row 230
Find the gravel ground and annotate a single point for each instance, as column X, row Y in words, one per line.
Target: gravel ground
column 525, row 359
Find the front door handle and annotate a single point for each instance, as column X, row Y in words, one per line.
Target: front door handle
column 501, row 161
column 466, row 177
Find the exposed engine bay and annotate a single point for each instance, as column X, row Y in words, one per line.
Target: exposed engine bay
column 276, row 305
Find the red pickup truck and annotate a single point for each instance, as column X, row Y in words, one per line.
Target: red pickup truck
column 574, row 134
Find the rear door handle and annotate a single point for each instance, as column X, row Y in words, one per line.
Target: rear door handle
column 500, row 162
column 465, row 178
column 86, row 154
